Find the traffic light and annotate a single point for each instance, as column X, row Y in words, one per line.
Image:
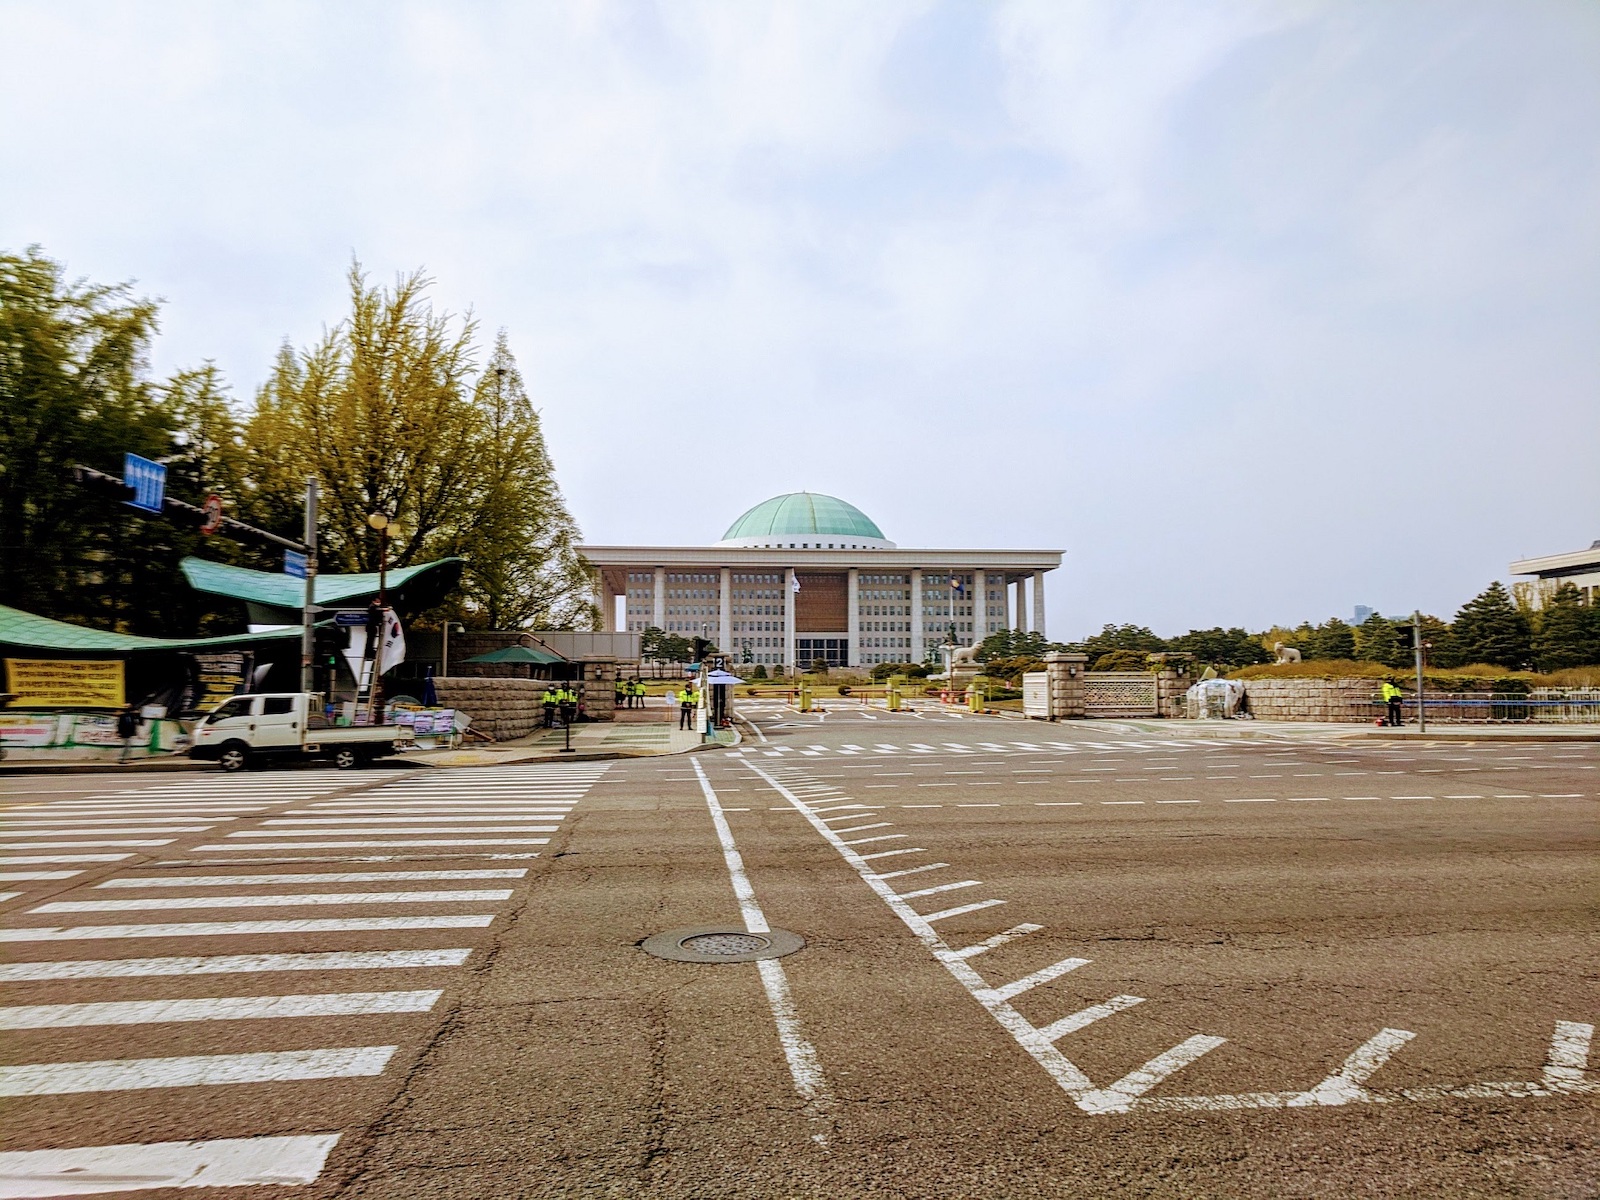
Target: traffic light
column 102, row 484
column 700, row 648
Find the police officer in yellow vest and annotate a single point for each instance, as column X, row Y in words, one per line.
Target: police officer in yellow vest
column 568, row 697
column 688, row 700
column 550, row 699
column 1391, row 697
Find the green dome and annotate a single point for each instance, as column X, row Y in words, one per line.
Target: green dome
column 808, row 516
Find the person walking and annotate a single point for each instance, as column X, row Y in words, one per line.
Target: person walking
column 1391, row 697
column 127, row 730
column 549, row 700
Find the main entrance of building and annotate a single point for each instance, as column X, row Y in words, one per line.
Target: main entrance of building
column 835, row 651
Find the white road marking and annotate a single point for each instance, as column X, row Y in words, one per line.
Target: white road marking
column 23, row 876
column 864, row 828
column 248, row 846
column 458, row 827
column 138, row 881
column 219, row 928
column 1028, row 982
column 59, row 832
column 892, row 853
column 1345, row 1084
column 486, row 895
column 999, row 939
column 1119, row 1097
column 1057, row 1030
column 804, row 1067
column 19, row 859
column 882, row 837
column 232, row 964
column 911, row 871
column 1569, row 1055
column 223, row 1162
column 956, row 912
column 78, row 845
column 932, row 891
column 127, row 1074
column 219, row 1008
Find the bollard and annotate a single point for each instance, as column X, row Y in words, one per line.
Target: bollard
column 805, row 697
column 974, row 698
column 892, row 696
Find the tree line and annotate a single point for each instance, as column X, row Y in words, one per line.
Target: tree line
column 397, row 408
column 1490, row 629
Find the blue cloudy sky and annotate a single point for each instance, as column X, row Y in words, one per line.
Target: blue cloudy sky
column 1256, row 310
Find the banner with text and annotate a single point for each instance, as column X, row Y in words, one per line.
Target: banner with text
column 65, row 683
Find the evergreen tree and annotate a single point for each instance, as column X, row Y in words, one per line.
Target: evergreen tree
column 1122, row 637
column 1379, row 642
column 1333, row 639
column 523, row 565
column 1440, row 641
column 1490, row 629
column 1568, row 633
column 1224, row 647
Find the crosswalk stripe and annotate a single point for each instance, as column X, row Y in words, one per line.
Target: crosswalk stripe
column 127, row 1074
column 368, row 845
column 76, row 933
column 284, row 901
column 223, row 1162
column 232, row 964
column 216, row 1008
column 142, row 881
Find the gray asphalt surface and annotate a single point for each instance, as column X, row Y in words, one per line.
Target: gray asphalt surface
column 1291, row 967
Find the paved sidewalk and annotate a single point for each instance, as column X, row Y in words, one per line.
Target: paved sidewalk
column 598, row 740
column 1341, row 729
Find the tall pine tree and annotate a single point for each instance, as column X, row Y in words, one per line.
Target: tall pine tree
column 1491, row 629
column 1569, row 631
column 1379, row 642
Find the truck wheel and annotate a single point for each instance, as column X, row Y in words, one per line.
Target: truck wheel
column 347, row 760
column 234, row 756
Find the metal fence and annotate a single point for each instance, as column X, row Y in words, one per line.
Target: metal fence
column 1554, row 706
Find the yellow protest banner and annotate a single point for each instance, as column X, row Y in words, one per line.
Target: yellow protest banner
column 65, row 682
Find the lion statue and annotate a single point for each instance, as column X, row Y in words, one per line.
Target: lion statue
column 1286, row 654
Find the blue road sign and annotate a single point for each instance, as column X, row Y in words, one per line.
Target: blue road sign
column 147, row 479
column 294, row 563
column 350, row 618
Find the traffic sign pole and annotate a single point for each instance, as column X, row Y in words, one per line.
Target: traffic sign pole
column 308, row 615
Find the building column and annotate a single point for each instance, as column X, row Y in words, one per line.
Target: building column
column 853, row 615
column 658, row 616
column 788, row 618
column 1038, row 602
column 725, row 595
column 916, row 615
column 980, row 607
column 1021, row 623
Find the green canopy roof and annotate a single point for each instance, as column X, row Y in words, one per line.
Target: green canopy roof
column 29, row 631
column 807, row 515
column 277, row 590
column 517, row 654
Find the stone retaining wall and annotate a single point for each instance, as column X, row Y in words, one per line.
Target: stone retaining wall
column 502, row 708
column 1350, row 700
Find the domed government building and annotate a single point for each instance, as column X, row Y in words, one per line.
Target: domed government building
column 803, row 576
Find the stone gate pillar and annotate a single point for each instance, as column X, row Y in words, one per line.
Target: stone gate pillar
column 1066, row 685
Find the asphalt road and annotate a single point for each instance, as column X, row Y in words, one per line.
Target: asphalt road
column 1070, row 960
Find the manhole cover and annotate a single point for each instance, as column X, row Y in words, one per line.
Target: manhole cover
column 719, row 944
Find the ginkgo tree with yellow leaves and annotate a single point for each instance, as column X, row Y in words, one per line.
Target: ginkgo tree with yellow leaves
column 392, row 412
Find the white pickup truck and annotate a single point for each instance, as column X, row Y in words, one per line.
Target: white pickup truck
column 246, row 730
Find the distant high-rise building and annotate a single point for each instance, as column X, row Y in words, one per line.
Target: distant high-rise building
column 1363, row 611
